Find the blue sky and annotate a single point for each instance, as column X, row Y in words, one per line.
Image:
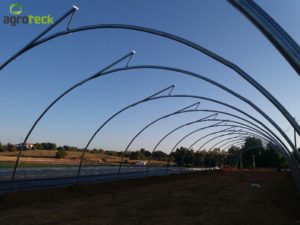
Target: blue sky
column 34, row 79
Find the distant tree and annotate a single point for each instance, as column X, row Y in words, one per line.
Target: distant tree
column 159, row 155
column 127, row 154
column 218, row 156
column 271, row 157
column 268, row 156
column 11, row 147
column 61, row 154
column 188, row 157
column 45, row 146
column 60, row 148
column 210, row 159
column 199, row 158
column 112, row 153
column 49, row 146
column 178, row 155
column 146, row 153
column 66, row 147
column 1, row 147
column 253, row 147
column 38, row 146
column 133, row 156
column 137, row 155
column 142, row 154
column 233, row 155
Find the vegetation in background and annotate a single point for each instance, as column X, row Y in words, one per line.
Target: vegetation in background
column 61, row 153
column 253, row 150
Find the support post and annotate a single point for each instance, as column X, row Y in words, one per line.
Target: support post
column 253, row 161
column 241, row 161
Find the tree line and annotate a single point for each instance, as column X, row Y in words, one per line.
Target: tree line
column 252, row 154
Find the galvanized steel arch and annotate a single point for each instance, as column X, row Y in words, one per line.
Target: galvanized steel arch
column 37, row 41
column 105, row 72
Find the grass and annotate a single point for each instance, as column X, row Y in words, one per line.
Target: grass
column 209, row 198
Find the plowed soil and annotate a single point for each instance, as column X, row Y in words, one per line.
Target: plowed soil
column 211, row 198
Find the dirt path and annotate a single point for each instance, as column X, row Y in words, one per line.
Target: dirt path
column 223, row 198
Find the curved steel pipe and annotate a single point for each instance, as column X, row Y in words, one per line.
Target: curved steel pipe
column 150, row 125
column 239, row 144
column 236, row 126
column 196, row 151
column 225, row 139
column 272, row 30
column 252, row 132
column 242, row 140
column 178, row 39
column 236, row 144
column 55, row 101
column 224, row 144
column 149, row 98
column 101, row 73
column 237, row 139
column 245, row 126
column 255, row 135
column 292, row 165
column 255, row 107
column 172, row 131
column 183, row 110
column 189, row 135
column 152, row 97
column 186, row 42
column 213, row 139
column 270, row 140
column 30, row 44
column 155, row 97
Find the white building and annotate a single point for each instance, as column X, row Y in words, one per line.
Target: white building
column 24, row 146
column 141, row 163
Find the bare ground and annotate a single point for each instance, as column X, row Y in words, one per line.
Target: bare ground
column 48, row 157
column 223, row 198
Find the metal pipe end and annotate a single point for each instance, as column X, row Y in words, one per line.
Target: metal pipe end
column 133, row 52
column 75, row 7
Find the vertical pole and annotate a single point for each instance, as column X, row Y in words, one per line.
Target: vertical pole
column 241, row 162
column 295, row 138
column 253, row 161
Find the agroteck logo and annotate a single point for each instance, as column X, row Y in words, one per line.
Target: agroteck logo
column 16, row 9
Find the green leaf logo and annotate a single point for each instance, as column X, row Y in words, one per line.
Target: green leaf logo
column 15, row 8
